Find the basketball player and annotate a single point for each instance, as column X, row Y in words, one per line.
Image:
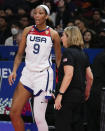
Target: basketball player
column 37, row 75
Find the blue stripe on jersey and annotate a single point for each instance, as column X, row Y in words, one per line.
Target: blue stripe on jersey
column 40, row 30
column 48, row 97
column 47, row 80
column 38, row 93
column 49, row 60
column 28, row 89
column 53, row 90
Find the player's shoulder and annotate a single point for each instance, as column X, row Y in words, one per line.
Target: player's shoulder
column 54, row 33
column 27, row 29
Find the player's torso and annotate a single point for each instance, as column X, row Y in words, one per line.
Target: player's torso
column 38, row 49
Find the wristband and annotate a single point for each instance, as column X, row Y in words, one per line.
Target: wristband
column 61, row 93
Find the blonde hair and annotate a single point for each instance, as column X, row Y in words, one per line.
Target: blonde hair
column 74, row 36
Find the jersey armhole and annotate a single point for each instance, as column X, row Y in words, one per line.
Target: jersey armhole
column 50, row 34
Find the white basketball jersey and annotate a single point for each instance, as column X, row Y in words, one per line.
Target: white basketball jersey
column 38, row 49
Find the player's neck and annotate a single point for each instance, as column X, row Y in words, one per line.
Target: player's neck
column 41, row 27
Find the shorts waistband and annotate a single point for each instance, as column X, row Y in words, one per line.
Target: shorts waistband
column 40, row 70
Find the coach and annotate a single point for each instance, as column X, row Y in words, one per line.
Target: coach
column 74, row 82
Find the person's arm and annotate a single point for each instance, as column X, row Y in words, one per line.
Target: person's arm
column 20, row 52
column 19, row 56
column 57, row 46
column 68, row 74
column 89, row 81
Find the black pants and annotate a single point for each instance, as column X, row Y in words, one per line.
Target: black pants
column 93, row 112
column 69, row 118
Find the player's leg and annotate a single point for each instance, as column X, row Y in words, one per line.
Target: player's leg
column 44, row 81
column 40, row 105
column 21, row 95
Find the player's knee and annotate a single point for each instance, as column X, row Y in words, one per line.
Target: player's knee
column 39, row 120
column 41, row 124
column 14, row 114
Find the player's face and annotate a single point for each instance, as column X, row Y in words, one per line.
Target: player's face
column 64, row 39
column 40, row 16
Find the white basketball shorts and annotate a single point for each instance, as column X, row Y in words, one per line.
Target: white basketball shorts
column 38, row 81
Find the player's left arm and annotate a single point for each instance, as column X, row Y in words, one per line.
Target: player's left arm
column 57, row 46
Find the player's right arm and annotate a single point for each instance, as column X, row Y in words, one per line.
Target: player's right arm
column 57, row 47
column 19, row 55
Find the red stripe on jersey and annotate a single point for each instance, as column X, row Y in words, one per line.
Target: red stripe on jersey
column 34, row 31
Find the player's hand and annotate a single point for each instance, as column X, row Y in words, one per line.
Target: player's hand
column 12, row 78
column 53, row 96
